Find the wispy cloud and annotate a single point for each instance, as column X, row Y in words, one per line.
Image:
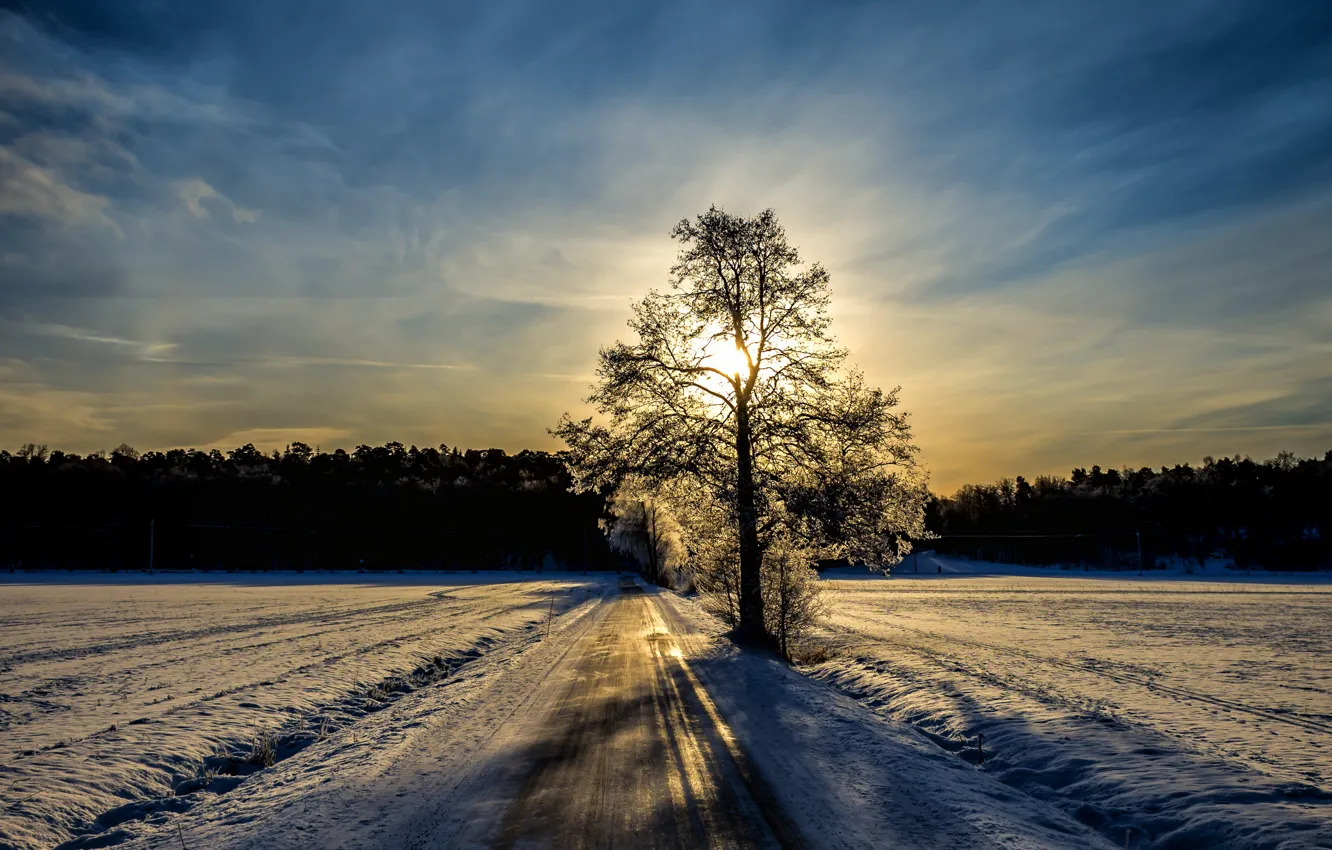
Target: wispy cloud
column 297, row 362
column 146, row 350
column 193, row 193
column 29, row 190
column 1318, row 426
column 86, row 91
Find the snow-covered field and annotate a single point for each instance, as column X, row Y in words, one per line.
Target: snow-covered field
column 1184, row 712
column 119, row 688
column 448, row 765
column 1189, row 711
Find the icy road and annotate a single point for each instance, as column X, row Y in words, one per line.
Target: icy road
column 633, row 752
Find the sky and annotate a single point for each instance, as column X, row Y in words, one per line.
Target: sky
column 1073, row 233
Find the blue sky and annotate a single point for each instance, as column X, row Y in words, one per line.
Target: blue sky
column 1074, row 233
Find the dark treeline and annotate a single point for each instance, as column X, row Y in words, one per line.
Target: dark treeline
column 394, row 507
column 1274, row 514
column 384, row 507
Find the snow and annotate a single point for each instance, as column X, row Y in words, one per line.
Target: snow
column 406, row 775
column 120, row 688
column 847, row 779
column 1117, row 711
column 1175, row 711
column 429, row 779
column 929, row 565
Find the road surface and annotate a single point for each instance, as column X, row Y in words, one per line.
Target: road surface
column 633, row 753
column 616, row 744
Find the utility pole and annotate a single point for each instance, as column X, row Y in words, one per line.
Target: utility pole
column 152, row 540
column 1138, row 533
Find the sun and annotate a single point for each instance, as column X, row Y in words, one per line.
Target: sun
column 728, row 359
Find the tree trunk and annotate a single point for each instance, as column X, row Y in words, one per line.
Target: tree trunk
column 751, row 558
column 650, row 515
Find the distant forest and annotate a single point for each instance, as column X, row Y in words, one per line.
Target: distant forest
column 1274, row 514
column 399, row 507
column 384, row 507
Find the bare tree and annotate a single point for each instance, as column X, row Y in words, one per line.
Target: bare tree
column 33, row 452
column 644, row 528
column 125, row 450
column 793, row 598
column 711, row 546
column 736, row 384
